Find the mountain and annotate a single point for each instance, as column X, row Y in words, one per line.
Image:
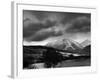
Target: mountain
column 86, row 43
column 65, row 44
column 86, row 50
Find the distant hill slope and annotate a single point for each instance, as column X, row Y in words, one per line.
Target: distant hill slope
column 86, row 43
column 86, row 50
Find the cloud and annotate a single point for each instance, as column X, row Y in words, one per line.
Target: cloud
column 45, row 33
column 32, row 28
column 35, row 21
column 80, row 24
column 40, row 25
column 38, row 32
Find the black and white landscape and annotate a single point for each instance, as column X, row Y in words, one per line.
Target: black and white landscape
column 56, row 39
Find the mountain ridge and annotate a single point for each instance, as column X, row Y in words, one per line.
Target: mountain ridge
column 86, row 43
column 65, row 44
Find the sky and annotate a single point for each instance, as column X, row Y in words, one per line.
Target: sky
column 40, row 27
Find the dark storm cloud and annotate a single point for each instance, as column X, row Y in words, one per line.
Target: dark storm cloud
column 43, row 34
column 71, row 16
column 43, row 16
column 35, row 21
column 39, row 25
column 80, row 24
column 32, row 28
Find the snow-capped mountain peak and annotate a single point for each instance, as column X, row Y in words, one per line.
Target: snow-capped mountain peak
column 65, row 44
